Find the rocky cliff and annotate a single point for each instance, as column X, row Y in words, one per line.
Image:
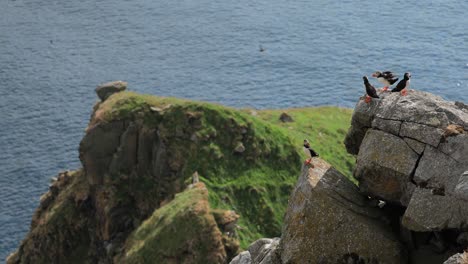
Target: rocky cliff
column 130, row 203
column 412, row 152
column 411, row 205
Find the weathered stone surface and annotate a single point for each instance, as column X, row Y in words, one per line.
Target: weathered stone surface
column 390, row 126
column 415, row 145
column 329, row 221
column 430, row 212
column 456, row 147
column 262, row 251
column 418, row 167
column 418, row 107
column 422, row 133
column 407, row 192
column 243, row 258
column 125, row 157
column 438, row 171
column 384, row 165
column 461, row 190
column 98, row 147
column 107, row 89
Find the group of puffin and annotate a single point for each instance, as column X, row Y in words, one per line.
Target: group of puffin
column 388, row 78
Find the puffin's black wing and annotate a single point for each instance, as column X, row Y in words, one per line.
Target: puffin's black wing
column 313, row 153
column 390, row 77
column 370, row 90
column 400, row 86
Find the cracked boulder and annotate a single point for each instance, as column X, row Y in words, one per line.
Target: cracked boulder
column 428, row 211
column 384, row 165
column 412, row 151
column 329, row 221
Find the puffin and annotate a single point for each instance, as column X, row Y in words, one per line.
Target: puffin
column 310, row 153
column 370, row 90
column 403, row 85
column 388, row 78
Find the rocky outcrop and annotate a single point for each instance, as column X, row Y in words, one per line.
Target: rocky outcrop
column 412, row 152
column 188, row 222
column 262, row 251
column 136, row 161
column 107, row 89
column 329, row 221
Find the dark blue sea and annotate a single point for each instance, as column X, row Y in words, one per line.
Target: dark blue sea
column 53, row 54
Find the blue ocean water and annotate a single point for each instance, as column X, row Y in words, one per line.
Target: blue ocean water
column 53, row 53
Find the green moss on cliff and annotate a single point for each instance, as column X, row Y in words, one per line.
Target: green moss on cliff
column 179, row 232
column 202, row 137
column 257, row 182
column 140, row 153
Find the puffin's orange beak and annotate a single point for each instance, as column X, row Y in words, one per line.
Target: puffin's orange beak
column 374, row 74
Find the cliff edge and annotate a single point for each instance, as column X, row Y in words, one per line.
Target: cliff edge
column 130, row 203
column 411, row 204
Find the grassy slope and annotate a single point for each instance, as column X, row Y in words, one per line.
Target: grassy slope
column 325, row 128
column 163, row 237
column 256, row 184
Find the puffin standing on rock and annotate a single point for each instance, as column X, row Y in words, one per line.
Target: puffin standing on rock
column 388, row 78
column 309, row 152
column 403, row 85
column 370, row 90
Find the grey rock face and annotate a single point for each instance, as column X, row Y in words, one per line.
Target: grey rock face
column 384, row 165
column 329, row 221
column 422, row 133
column 415, row 145
column 409, row 153
column 243, row 258
column 262, row 251
column 437, row 171
column 461, row 190
column 107, row 89
column 428, row 211
column 390, row 126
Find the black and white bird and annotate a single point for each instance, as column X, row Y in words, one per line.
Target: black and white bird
column 403, row 85
column 310, row 153
column 370, row 90
column 388, row 78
